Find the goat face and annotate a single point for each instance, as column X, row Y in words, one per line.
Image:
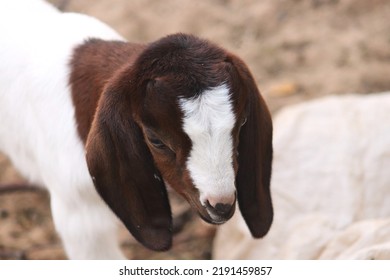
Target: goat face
column 191, row 143
column 186, row 114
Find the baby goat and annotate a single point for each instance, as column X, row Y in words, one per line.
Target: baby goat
column 103, row 122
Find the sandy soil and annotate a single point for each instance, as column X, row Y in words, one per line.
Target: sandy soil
column 297, row 50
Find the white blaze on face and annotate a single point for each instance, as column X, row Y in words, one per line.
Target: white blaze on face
column 208, row 121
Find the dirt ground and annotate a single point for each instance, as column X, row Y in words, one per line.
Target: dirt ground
column 296, row 49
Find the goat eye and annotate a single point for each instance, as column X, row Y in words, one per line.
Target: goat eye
column 157, row 143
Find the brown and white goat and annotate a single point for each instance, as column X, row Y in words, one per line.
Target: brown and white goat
column 82, row 111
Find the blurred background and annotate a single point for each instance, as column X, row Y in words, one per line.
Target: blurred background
column 296, row 49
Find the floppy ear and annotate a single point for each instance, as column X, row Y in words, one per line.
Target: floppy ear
column 124, row 174
column 255, row 155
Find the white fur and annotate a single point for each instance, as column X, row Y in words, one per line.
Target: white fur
column 38, row 130
column 208, row 121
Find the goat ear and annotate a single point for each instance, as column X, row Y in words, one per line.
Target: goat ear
column 255, row 155
column 124, row 173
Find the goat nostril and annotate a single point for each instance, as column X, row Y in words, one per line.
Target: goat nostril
column 225, row 202
column 223, row 208
column 220, row 208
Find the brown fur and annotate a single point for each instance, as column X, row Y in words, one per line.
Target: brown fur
column 93, row 65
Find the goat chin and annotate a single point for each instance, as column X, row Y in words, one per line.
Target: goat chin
column 105, row 125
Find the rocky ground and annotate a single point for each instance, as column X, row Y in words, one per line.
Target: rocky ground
column 296, row 49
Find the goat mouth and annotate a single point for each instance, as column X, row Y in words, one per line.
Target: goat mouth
column 206, row 213
column 213, row 217
column 213, row 221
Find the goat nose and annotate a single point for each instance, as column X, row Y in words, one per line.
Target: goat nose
column 222, row 209
column 222, row 205
column 227, row 200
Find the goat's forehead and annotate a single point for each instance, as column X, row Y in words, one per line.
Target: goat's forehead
column 211, row 111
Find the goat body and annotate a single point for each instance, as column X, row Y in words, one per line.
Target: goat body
column 106, row 125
